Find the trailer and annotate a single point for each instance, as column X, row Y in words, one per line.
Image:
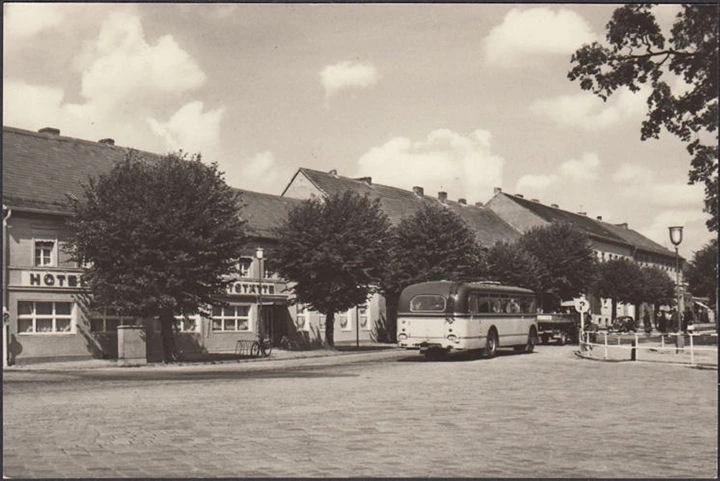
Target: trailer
column 561, row 328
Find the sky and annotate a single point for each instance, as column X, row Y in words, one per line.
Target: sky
column 459, row 98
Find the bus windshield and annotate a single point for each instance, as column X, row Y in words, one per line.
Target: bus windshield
column 427, row 302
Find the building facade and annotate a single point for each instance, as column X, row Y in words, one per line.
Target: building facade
column 608, row 242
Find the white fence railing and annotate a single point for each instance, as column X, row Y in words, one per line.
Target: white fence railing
column 600, row 345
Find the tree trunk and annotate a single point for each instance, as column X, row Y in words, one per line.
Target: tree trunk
column 168, row 340
column 391, row 307
column 613, row 311
column 330, row 329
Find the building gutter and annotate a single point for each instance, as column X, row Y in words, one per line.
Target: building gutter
column 7, row 212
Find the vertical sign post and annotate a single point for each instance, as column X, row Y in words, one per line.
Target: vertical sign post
column 582, row 306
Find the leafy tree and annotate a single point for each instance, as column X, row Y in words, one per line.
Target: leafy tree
column 637, row 53
column 432, row 244
column 620, row 280
column 161, row 236
column 333, row 251
column 702, row 272
column 657, row 287
column 565, row 258
column 511, row 264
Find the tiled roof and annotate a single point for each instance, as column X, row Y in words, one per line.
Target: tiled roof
column 40, row 170
column 264, row 212
column 592, row 227
column 399, row 203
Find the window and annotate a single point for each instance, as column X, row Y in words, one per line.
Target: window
column 427, row 302
column 108, row 320
column 344, row 321
column 473, row 303
column 36, row 317
column 363, row 317
column 188, row 323
column 44, row 253
column 301, row 320
column 243, row 266
column 231, row 318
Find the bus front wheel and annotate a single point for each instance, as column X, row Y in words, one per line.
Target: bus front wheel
column 491, row 345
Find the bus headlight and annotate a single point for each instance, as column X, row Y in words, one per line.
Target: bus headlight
column 452, row 337
column 402, row 336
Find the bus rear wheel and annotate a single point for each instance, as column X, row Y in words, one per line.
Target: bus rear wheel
column 491, row 345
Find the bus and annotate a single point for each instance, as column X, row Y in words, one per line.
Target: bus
column 443, row 316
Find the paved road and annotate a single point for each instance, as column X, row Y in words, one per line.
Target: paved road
column 547, row 414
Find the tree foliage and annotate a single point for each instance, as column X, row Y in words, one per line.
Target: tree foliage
column 620, row 280
column 333, row 251
column 565, row 260
column 432, row 244
column 160, row 236
column 657, row 286
column 510, row 264
column 638, row 52
column 702, row 272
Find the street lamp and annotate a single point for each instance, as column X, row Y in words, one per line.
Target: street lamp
column 259, row 255
column 676, row 235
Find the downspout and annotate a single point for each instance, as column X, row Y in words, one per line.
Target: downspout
column 7, row 212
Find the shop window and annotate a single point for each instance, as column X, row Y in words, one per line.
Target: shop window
column 108, row 320
column 231, row 318
column 36, row 317
column 44, row 253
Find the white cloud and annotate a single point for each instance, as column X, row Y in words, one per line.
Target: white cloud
column 583, row 169
column 25, row 20
column 191, row 129
column 534, row 31
column 589, row 112
column 573, row 171
column 348, row 75
column 462, row 165
column 632, row 174
column 126, row 83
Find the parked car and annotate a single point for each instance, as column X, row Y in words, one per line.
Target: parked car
column 623, row 324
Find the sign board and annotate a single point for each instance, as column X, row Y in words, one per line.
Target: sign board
column 581, row 304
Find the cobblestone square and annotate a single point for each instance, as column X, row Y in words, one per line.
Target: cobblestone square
column 387, row 413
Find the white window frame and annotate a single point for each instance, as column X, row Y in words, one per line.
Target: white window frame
column 104, row 317
column 222, row 318
column 183, row 322
column 35, row 317
column 53, row 251
column 302, row 318
column 245, row 272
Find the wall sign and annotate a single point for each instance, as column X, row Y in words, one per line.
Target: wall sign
column 250, row 288
column 45, row 279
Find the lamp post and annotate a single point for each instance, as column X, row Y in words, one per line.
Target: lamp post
column 259, row 255
column 676, row 235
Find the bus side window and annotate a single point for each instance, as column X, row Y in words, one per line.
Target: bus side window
column 497, row 304
column 484, row 305
column 512, row 307
column 473, row 304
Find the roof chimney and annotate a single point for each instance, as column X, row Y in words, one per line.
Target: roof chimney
column 554, row 205
column 520, row 196
column 442, row 196
column 333, row 172
column 478, row 204
column 582, row 213
column 599, row 217
column 624, row 225
column 535, row 200
column 419, row 191
column 496, row 190
column 367, row 180
column 107, row 141
column 462, row 201
column 49, row 130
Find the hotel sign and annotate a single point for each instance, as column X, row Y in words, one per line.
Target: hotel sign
column 51, row 280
